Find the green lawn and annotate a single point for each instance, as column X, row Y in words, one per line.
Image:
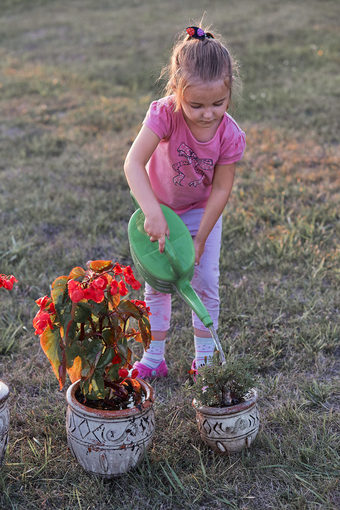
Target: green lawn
column 76, row 78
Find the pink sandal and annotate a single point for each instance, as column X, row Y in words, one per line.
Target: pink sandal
column 145, row 372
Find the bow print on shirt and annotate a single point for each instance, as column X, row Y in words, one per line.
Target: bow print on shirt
column 201, row 166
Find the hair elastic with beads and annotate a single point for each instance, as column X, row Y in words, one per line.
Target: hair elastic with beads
column 198, row 33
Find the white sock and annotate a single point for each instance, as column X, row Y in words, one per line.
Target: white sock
column 204, row 348
column 154, row 355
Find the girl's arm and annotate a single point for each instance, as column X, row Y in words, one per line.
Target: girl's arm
column 221, row 188
column 139, row 154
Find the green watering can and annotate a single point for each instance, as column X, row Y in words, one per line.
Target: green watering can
column 172, row 270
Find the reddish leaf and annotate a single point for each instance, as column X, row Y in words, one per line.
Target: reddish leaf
column 145, row 330
column 76, row 272
column 50, row 344
column 99, row 265
column 136, row 385
column 74, row 372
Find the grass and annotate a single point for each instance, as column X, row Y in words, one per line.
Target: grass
column 76, row 79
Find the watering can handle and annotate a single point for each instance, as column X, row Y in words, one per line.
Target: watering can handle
column 168, row 249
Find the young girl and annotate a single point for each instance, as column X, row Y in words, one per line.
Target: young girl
column 184, row 157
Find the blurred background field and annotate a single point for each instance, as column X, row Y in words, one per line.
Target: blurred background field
column 76, row 78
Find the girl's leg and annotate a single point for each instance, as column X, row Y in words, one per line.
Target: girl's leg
column 152, row 363
column 206, row 278
column 206, row 284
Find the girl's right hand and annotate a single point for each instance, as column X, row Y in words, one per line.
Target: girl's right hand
column 157, row 228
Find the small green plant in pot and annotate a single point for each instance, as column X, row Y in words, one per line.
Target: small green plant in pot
column 85, row 327
column 6, row 282
column 225, row 402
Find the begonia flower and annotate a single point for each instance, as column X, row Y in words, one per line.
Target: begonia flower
column 117, row 269
column 42, row 302
column 122, row 288
column 7, row 281
column 41, row 321
column 122, row 372
column 75, row 291
column 114, row 287
column 116, row 359
column 94, row 293
column 100, row 282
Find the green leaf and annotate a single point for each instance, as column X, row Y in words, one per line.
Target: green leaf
column 58, row 288
column 123, row 348
column 98, row 309
column 108, row 336
column 63, row 309
column 82, row 312
column 106, row 358
column 70, row 331
column 113, row 373
column 97, row 381
column 72, row 351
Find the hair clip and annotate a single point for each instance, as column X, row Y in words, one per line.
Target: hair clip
column 198, row 33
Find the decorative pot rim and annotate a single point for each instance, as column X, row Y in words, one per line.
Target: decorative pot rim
column 4, row 392
column 221, row 411
column 107, row 413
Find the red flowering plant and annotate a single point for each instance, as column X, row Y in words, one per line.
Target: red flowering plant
column 84, row 329
column 7, row 281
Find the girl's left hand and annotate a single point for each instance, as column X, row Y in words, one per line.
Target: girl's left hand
column 199, row 249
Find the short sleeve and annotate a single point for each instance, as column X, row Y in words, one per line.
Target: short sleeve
column 233, row 143
column 159, row 118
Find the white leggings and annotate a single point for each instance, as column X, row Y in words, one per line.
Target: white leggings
column 205, row 281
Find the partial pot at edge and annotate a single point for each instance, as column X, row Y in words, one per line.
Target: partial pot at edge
column 4, row 419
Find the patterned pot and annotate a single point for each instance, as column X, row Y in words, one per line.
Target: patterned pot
column 109, row 443
column 229, row 429
column 4, row 419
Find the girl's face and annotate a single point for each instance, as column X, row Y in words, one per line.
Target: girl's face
column 204, row 104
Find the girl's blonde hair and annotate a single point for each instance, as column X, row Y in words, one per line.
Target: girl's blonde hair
column 197, row 59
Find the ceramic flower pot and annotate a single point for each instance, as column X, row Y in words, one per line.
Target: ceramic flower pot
column 109, row 443
column 4, row 419
column 229, row 429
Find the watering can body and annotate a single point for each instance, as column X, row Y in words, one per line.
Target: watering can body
column 172, row 270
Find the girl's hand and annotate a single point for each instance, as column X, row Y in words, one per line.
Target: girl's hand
column 199, row 249
column 157, row 228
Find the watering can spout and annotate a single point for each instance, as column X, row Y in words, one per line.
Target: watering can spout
column 187, row 293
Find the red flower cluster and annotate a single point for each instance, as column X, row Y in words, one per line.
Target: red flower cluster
column 7, row 281
column 43, row 317
column 92, row 288
column 130, row 279
column 123, row 373
column 95, row 289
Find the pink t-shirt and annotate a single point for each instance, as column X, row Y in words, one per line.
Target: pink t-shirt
column 181, row 169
